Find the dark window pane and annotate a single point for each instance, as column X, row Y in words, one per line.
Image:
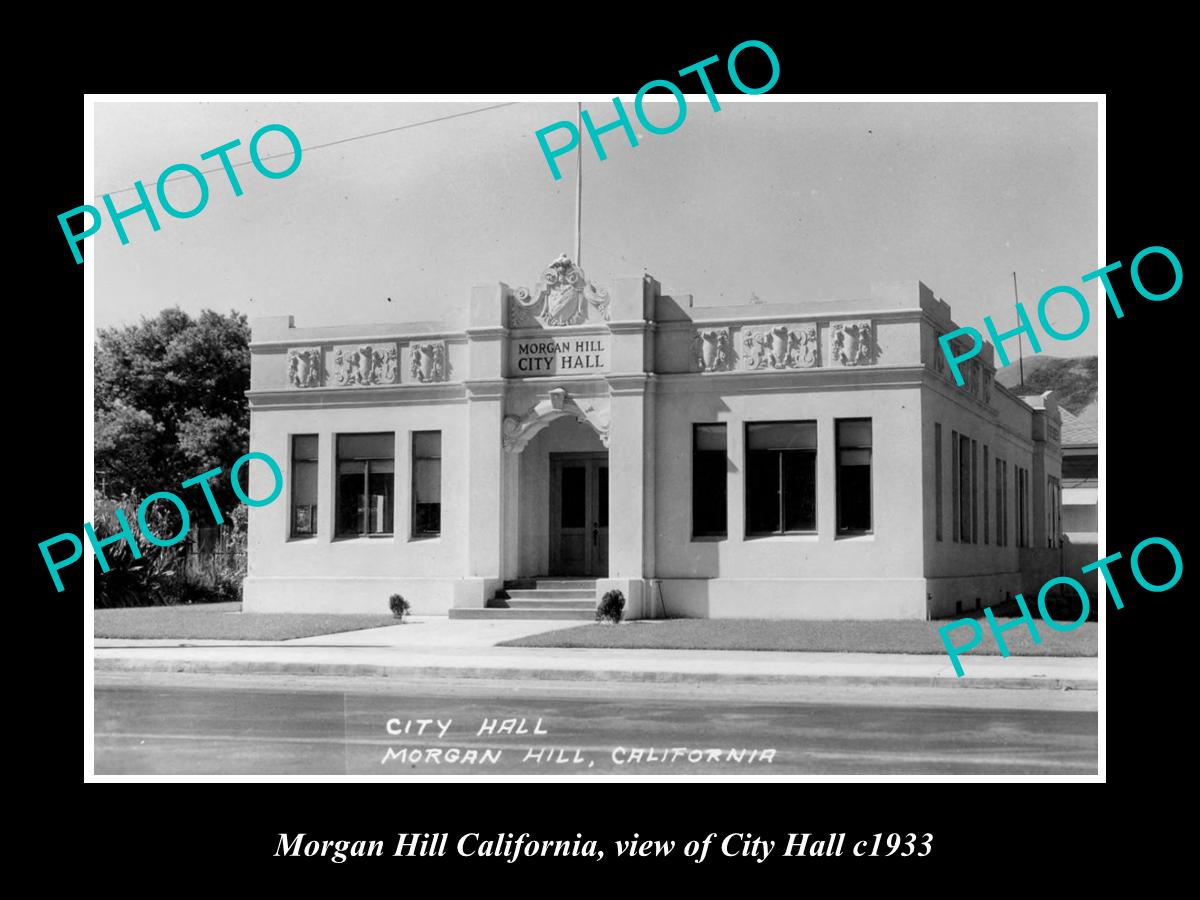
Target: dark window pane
column 1080, row 467
column 427, row 496
column 304, row 446
column 854, row 433
column 937, row 479
column 709, row 493
column 367, row 446
column 427, row 518
column 427, row 444
column 710, row 437
column 602, row 496
column 350, row 501
column 304, row 498
column 427, row 480
column 799, row 490
column 781, row 436
column 854, row 497
column 762, row 491
column 379, row 501
column 964, row 489
column 427, row 483
column 854, row 457
column 365, row 483
column 574, row 497
column 708, row 480
column 304, row 485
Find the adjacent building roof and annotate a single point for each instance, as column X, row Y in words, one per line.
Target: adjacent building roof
column 1080, row 429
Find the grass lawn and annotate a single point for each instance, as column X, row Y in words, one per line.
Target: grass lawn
column 843, row 636
column 224, row 622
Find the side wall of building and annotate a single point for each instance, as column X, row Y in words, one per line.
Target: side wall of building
column 985, row 561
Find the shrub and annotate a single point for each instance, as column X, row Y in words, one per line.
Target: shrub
column 611, row 607
column 399, row 606
column 163, row 576
column 130, row 580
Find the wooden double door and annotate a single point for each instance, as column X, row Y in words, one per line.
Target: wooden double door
column 579, row 514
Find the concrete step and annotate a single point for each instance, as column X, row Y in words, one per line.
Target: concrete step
column 553, row 584
column 542, row 603
column 548, row 594
column 567, row 584
column 578, row 615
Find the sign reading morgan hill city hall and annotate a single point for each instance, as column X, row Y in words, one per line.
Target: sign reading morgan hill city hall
column 587, row 354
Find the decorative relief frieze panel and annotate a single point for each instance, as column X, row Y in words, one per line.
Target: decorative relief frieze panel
column 780, row 347
column 304, row 367
column 428, row 361
column 973, row 385
column 852, row 343
column 939, row 356
column 364, row 364
column 712, row 350
column 563, row 296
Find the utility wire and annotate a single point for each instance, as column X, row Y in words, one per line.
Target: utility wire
column 358, row 137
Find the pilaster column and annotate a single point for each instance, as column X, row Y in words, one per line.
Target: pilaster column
column 631, row 488
column 486, row 469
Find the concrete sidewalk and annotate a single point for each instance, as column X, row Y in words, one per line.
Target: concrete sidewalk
column 438, row 648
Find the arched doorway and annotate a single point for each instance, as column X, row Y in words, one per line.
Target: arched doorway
column 563, row 487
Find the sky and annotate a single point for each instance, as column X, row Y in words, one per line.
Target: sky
column 783, row 201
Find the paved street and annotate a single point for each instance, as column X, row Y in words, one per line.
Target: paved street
column 159, row 723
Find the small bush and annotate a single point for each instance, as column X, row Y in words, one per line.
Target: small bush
column 611, row 607
column 399, row 606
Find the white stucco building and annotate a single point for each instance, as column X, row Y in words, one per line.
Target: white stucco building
column 809, row 460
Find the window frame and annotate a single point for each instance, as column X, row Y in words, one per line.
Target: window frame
column 314, row 508
column 984, row 497
column 870, row 448
column 723, row 534
column 366, row 483
column 999, row 476
column 965, row 500
column 939, row 499
column 414, row 533
column 955, row 485
column 781, row 512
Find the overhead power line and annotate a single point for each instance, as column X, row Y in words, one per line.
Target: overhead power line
column 357, row 137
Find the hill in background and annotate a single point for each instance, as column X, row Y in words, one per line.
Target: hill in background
column 1074, row 379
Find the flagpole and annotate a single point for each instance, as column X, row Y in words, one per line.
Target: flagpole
column 578, row 182
column 1020, row 340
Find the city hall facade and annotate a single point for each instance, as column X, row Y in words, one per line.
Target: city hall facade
column 787, row 460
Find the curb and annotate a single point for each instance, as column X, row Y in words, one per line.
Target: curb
column 234, row 667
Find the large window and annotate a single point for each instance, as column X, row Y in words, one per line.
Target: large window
column 709, row 468
column 954, row 481
column 304, row 485
column 427, row 483
column 1000, row 537
column 1006, row 507
column 781, row 477
column 984, row 495
column 366, row 475
column 1022, row 509
column 853, row 476
column 938, row 474
column 965, row 493
column 1054, row 507
column 974, row 494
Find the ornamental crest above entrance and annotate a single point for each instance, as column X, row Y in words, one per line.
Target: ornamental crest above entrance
column 563, row 296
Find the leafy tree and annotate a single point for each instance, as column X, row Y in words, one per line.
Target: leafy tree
column 170, row 404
